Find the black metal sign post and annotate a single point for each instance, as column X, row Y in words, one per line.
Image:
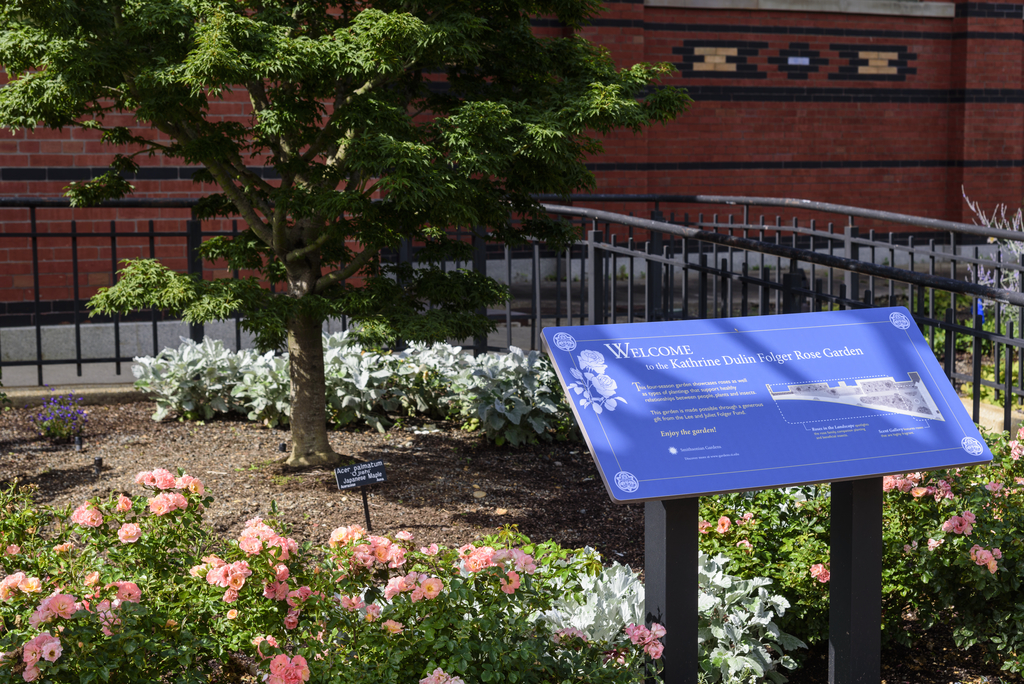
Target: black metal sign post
column 855, row 587
column 670, row 583
column 360, row 475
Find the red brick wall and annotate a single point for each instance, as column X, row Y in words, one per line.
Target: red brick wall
column 886, row 112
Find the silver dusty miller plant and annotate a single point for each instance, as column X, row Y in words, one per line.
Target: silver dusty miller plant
column 739, row 641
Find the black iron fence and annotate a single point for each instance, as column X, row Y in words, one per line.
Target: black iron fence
column 694, row 257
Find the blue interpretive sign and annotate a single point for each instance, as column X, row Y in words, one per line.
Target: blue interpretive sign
column 684, row 408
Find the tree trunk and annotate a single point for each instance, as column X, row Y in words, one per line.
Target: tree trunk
column 308, row 394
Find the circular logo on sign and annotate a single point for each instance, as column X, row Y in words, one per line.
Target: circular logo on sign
column 626, row 481
column 899, row 320
column 564, row 341
column 972, row 446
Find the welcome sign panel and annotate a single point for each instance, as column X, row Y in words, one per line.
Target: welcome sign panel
column 684, row 408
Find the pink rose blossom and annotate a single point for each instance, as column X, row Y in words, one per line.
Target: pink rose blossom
column 291, row 620
column 432, row 587
column 820, row 573
column 124, row 504
column 232, row 614
column 230, row 596
column 439, row 676
column 935, row 543
column 163, row 479
column 250, row 544
column 373, row 612
column 51, row 650
column 723, row 525
column 704, row 527
column 567, row 634
column 30, row 585
column 404, row 535
column 87, row 516
column 63, row 605
column 352, row 603
column 393, row 627
column 430, row 550
column 12, row 550
column 512, row 584
column 994, row 487
column 127, row 591
column 129, row 533
column 343, row 535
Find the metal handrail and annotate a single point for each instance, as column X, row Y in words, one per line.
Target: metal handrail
column 856, row 266
column 809, row 205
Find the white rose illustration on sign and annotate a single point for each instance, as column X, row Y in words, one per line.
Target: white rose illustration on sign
column 596, row 388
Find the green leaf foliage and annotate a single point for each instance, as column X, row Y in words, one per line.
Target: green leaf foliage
column 382, row 122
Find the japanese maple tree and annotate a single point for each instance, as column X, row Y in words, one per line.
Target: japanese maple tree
column 382, row 121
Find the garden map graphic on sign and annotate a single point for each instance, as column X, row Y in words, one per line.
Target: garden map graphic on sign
column 684, row 408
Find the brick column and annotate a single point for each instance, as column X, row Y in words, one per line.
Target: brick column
column 986, row 115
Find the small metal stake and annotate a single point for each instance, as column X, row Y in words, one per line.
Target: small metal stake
column 282, row 447
column 78, row 442
column 366, row 510
column 97, row 466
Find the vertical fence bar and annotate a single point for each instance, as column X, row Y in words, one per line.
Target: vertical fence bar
column 508, row 303
column 196, row 331
column 35, row 301
column 537, row 321
column 480, row 266
column 976, row 365
column 1008, row 379
column 117, row 317
column 153, row 314
column 77, row 301
column 593, row 278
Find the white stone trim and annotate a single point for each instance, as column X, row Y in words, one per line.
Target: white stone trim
column 902, row 8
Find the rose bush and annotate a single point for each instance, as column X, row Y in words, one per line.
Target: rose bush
column 139, row 589
column 953, row 551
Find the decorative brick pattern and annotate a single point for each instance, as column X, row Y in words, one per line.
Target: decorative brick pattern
column 799, row 61
column 873, row 63
column 719, row 59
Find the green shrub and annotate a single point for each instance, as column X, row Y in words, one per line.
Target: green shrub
column 141, row 590
column 513, row 397
column 953, row 551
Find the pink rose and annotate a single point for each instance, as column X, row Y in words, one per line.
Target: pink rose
column 128, row 591
column 723, row 525
column 163, row 479
column 393, row 627
column 291, row 620
column 12, row 550
column 124, row 504
column 87, row 516
column 432, row 587
column 63, row 605
column 129, row 533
